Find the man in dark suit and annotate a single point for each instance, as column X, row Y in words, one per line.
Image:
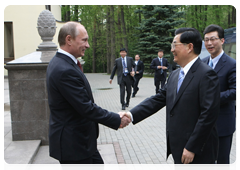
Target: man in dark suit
column 160, row 65
column 225, row 67
column 139, row 69
column 125, row 73
column 74, row 117
column 192, row 98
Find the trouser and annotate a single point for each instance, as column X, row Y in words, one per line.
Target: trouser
column 135, row 85
column 225, row 144
column 125, row 85
column 95, row 162
column 157, row 84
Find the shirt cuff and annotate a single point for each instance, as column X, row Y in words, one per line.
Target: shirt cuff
column 130, row 115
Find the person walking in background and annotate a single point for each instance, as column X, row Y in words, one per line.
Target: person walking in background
column 225, row 67
column 74, row 117
column 125, row 74
column 192, row 100
column 160, row 65
column 139, row 69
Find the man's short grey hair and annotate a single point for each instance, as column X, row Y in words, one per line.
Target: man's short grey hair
column 70, row 28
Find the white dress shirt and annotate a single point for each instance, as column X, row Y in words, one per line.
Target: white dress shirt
column 68, row 54
column 216, row 59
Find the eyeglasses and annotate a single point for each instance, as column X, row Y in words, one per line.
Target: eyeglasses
column 173, row 45
column 212, row 39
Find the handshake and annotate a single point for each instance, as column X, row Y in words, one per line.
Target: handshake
column 125, row 119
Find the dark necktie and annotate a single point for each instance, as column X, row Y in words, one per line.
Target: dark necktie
column 79, row 65
column 161, row 65
column 136, row 66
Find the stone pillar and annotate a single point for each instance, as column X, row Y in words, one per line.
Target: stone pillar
column 28, row 96
column 27, row 86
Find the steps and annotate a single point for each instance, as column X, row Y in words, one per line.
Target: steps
column 21, row 152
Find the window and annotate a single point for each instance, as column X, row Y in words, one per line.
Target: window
column 8, row 42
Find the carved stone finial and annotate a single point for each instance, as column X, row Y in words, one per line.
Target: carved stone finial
column 46, row 26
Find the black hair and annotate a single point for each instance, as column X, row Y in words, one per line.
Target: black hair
column 214, row 27
column 123, row 49
column 191, row 35
column 160, row 50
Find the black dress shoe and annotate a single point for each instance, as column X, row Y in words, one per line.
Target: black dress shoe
column 133, row 95
column 127, row 105
column 123, row 107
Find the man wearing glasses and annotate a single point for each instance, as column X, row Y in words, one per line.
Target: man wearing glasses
column 225, row 67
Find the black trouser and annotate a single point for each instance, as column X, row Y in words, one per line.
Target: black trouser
column 225, row 144
column 125, row 84
column 93, row 163
column 157, row 83
column 135, row 84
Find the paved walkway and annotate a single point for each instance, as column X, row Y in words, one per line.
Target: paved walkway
column 143, row 143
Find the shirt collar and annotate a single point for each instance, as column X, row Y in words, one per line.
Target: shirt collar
column 67, row 54
column 188, row 66
column 216, row 59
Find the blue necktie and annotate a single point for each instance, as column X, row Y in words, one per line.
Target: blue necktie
column 210, row 63
column 124, row 66
column 180, row 79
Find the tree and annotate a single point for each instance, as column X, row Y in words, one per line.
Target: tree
column 222, row 15
column 156, row 30
column 112, row 30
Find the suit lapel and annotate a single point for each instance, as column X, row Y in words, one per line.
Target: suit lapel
column 188, row 78
column 221, row 63
column 172, row 88
column 71, row 62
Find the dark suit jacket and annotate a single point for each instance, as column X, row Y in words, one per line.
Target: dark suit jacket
column 140, row 69
column 74, row 118
column 191, row 113
column 118, row 66
column 155, row 62
column 226, row 71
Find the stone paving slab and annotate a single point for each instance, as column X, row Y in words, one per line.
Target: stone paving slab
column 21, row 152
column 145, row 142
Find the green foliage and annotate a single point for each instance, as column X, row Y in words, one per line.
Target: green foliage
column 148, row 28
column 156, row 30
column 200, row 16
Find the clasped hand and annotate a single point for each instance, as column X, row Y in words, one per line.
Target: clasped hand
column 125, row 119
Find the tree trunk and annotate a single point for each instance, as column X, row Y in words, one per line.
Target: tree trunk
column 94, row 45
column 68, row 14
column 229, row 17
column 124, row 27
column 108, row 41
column 139, row 16
column 75, row 17
column 112, row 29
column 119, row 26
column 196, row 16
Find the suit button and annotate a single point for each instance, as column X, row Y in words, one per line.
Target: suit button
column 171, row 115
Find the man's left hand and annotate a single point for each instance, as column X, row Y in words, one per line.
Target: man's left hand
column 132, row 73
column 187, row 156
